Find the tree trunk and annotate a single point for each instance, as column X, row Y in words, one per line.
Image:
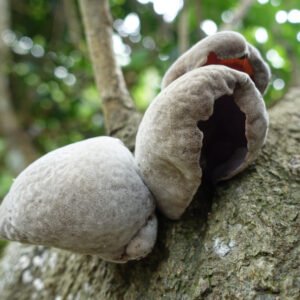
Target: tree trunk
column 20, row 150
column 249, row 248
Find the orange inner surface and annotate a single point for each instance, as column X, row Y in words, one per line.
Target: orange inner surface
column 241, row 64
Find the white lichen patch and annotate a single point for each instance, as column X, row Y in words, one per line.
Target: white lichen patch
column 37, row 261
column 221, row 248
column 294, row 165
column 24, row 262
column 27, row 277
column 52, row 260
column 38, row 284
column 87, row 287
column 231, row 244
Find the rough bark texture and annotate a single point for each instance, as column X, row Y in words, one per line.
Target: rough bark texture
column 121, row 118
column 248, row 248
column 20, row 150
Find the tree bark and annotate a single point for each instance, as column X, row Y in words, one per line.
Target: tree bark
column 121, row 118
column 20, row 150
column 248, row 248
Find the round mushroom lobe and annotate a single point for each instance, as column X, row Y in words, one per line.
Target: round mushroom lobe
column 226, row 48
column 224, row 133
column 221, row 78
column 213, row 115
column 242, row 63
column 87, row 197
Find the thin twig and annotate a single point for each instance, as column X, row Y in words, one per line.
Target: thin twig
column 238, row 16
column 183, row 29
column 73, row 22
column 20, row 149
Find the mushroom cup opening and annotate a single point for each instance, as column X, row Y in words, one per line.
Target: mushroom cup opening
column 224, row 146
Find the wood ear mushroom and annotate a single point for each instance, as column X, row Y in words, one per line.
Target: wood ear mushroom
column 226, row 48
column 94, row 197
column 87, row 197
column 210, row 120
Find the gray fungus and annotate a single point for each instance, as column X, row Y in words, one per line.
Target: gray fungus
column 174, row 143
column 87, row 197
column 209, row 119
column 223, row 48
column 95, row 197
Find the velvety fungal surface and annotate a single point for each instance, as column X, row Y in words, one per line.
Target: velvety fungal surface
column 87, row 197
column 225, row 48
column 210, row 119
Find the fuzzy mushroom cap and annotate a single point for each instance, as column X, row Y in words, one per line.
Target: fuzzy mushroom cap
column 213, row 115
column 87, row 197
column 223, row 48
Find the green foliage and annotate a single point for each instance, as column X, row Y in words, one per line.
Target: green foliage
column 281, row 49
column 3, row 244
column 146, row 88
column 5, row 174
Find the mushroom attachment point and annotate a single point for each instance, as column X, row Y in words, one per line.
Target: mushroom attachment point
column 87, row 197
column 209, row 120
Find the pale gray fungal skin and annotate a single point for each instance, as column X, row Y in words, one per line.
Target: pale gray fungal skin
column 225, row 44
column 87, row 197
column 169, row 143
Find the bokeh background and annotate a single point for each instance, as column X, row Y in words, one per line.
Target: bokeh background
column 48, row 92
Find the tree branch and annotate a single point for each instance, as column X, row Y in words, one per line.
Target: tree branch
column 21, row 151
column 183, row 29
column 198, row 16
column 238, row 15
column 73, row 23
column 121, row 118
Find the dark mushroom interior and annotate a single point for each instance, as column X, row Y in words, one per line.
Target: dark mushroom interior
column 224, row 145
